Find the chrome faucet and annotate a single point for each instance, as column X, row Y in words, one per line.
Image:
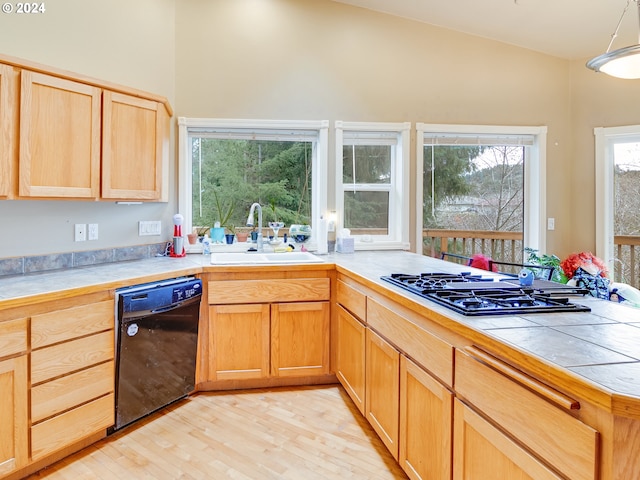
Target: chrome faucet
column 250, row 223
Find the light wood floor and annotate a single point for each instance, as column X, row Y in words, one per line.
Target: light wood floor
column 301, row 433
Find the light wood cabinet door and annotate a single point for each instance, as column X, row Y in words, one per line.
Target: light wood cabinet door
column 383, row 389
column 133, row 146
column 426, row 423
column 300, row 339
column 238, row 341
column 71, row 426
column 350, row 356
column 8, row 129
column 540, row 421
column 14, row 444
column 482, row 452
column 59, row 137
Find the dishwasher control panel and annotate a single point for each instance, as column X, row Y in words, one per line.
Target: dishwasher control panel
column 184, row 292
column 159, row 295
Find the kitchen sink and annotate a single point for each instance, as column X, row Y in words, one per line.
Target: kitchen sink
column 254, row 258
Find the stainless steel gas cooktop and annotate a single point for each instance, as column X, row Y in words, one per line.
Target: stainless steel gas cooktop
column 476, row 295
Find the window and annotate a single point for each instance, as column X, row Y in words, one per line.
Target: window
column 618, row 201
column 234, row 163
column 372, row 183
column 482, row 178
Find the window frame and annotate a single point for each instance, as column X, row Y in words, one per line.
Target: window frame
column 535, row 199
column 319, row 168
column 399, row 217
column 605, row 138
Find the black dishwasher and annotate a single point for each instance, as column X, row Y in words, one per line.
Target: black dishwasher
column 156, row 344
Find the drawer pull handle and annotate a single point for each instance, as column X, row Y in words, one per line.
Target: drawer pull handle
column 554, row 396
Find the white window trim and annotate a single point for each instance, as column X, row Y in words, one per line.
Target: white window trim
column 604, row 140
column 535, row 199
column 319, row 168
column 399, row 217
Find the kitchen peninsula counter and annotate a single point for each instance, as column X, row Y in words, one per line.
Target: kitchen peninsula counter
column 595, row 354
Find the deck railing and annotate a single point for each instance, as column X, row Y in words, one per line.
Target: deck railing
column 627, row 255
column 500, row 246
column 508, row 247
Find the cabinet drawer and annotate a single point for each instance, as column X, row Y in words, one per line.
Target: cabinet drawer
column 70, row 356
column 69, row 323
column 13, row 337
column 56, row 396
column 431, row 352
column 553, row 434
column 268, row 291
column 352, row 299
column 72, row 426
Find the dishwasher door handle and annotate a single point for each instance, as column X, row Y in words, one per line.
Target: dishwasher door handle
column 167, row 308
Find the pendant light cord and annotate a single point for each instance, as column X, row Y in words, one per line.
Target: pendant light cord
column 615, row 33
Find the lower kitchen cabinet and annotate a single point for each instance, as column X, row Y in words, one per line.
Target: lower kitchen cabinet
column 482, row 452
column 267, row 328
column 410, row 409
column 238, row 342
column 14, row 444
column 426, row 422
column 300, row 339
column 383, row 389
column 72, row 375
column 260, row 340
column 541, row 422
column 350, row 356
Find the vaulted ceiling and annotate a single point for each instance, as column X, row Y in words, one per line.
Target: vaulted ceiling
column 571, row 29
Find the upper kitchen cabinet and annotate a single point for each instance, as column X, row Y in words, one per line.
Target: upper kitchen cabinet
column 67, row 136
column 134, row 144
column 59, row 137
column 8, row 129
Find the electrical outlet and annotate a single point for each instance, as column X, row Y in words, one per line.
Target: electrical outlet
column 93, row 231
column 81, row 232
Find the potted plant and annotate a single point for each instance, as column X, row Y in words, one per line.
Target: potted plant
column 534, row 258
column 231, row 229
column 242, row 233
column 222, row 214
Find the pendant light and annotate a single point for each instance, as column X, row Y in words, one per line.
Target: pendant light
column 621, row 63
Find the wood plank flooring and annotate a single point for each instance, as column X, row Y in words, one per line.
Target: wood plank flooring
column 301, row 433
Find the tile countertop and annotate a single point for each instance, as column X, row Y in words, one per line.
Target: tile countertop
column 20, row 289
column 600, row 348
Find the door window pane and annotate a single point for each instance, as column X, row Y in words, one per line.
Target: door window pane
column 626, row 211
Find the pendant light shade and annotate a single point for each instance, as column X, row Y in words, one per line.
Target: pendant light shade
column 621, row 63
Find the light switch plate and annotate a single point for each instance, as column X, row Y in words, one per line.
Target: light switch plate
column 149, row 227
column 93, row 231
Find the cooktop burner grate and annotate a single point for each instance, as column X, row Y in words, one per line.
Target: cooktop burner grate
column 475, row 295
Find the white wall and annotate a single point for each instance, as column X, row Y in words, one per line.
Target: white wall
column 124, row 42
